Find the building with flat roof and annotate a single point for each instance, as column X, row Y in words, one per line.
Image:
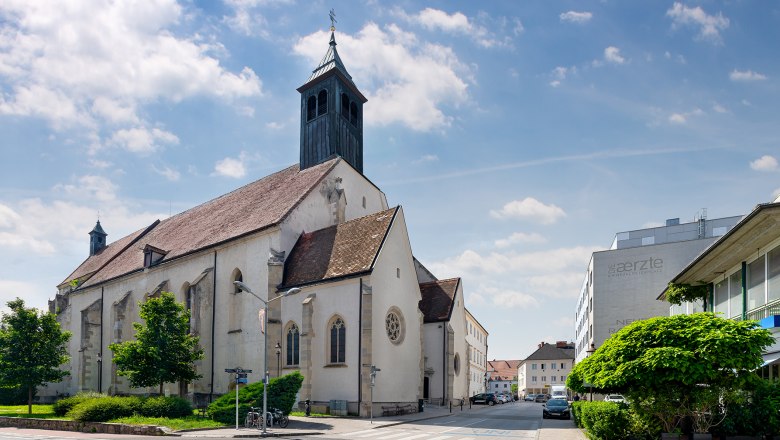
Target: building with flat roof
column 622, row 283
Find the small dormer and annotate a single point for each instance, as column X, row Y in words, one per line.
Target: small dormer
column 152, row 255
column 97, row 239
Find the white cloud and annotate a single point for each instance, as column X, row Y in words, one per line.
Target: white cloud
column 169, row 173
column 413, row 81
column 564, row 321
column 719, row 108
column 709, row 25
column 560, row 73
column 519, row 237
column 764, row 163
column 142, row 140
column 746, row 76
column 12, row 289
column 612, row 55
column 92, row 65
column 507, row 298
column 230, row 167
column 682, row 118
column 576, row 17
column 531, row 209
column 275, row 125
column 458, row 23
column 426, row 158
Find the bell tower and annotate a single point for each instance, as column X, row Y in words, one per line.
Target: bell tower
column 97, row 239
column 331, row 112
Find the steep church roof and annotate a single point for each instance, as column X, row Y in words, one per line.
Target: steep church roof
column 339, row 251
column 246, row 210
column 437, row 299
column 331, row 64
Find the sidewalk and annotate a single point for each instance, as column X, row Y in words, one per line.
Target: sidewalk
column 302, row 426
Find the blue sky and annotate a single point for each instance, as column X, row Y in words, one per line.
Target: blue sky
column 518, row 136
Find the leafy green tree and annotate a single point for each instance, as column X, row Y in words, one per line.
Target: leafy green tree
column 164, row 349
column 32, row 347
column 662, row 363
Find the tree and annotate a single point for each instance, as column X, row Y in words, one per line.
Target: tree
column 662, row 363
column 32, row 347
column 164, row 350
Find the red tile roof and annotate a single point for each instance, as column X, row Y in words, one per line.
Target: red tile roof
column 339, row 251
column 503, row 370
column 251, row 208
column 437, row 299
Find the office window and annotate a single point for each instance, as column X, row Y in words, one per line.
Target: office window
column 552, row 366
column 542, row 366
column 552, row 378
column 648, row 240
column 533, row 366
column 544, row 378
column 533, row 379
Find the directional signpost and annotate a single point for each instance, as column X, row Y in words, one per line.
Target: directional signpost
column 240, row 377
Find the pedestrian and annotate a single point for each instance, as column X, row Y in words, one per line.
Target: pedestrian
column 576, row 397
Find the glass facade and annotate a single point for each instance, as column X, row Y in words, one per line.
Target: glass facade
column 735, row 293
column 756, row 291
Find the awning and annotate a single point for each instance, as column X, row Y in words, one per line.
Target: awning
column 770, row 358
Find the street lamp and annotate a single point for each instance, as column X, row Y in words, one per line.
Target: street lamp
column 244, row 288
column 278, row 359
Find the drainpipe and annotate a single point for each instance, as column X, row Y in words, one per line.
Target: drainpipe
column 100, row 353
column 360, row 344
column 744, row 291
column 213, row 323
column 445, row 373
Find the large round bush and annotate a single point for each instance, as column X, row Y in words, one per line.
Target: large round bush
column 171, row 407
column 281, row 395
column 63, row 406
column 105, row 409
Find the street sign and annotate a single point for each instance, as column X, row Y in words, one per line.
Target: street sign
column 241, row 375
column 242, row 380
column 238, row 370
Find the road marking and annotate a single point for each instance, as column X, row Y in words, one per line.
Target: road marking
column 362, row 434
column 387, row 437
column 417, row 436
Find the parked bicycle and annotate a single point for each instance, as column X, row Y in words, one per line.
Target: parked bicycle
column 277, row 416
column 253, row 419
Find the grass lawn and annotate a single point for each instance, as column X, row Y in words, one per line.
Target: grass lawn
column 192, row 422
column 38, row 411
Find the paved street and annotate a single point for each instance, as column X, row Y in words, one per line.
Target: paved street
column 515, row 421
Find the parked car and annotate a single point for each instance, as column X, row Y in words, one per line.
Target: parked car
column 530, row 397
column 504, row 398
column 541, row 398
column 556, row 408
column 486, row 398
column 617, row 398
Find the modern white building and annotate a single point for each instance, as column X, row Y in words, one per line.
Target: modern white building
column 742, row 272
column 549, row 365
column 477, row 343
column 621, row 284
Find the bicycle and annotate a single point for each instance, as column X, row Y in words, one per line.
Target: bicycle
column 277, row 416
column 252, row 419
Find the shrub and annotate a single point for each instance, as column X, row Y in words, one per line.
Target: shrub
column 281, row 394
column 604, row 420
column 172, row 407
column 63, row 406
column 105, row 409
column 15, row 396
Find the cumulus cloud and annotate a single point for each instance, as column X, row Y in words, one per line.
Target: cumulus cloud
column 612, row 55
column 482, row 33
column 519, row 237
column 576, row 17
column 92, row 65
column 531, row 209
column 169, row 173
column 746, row 76
column 506, row 298
column 764, row 163
column 682, row 118
column 560, row 73
column 709, row 26
column 230, row 167
column 395, row 69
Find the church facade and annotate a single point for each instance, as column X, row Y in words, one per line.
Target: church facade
column 319, row 226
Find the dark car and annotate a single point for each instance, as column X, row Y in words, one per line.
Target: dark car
column 556, row 408
column 486, row 398
column 530, row 397
column 541, row 398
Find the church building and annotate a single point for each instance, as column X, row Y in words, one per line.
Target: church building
column 319, row 226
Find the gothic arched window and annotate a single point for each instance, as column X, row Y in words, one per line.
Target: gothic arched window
column 311, row 108
column 338, row 341
column 353, row 114
column 322, row 102
column 293, row 345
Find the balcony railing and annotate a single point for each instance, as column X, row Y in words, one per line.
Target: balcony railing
column 759, row 313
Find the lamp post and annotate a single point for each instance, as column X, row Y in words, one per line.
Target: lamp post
column 244, row 288
column 278, row 359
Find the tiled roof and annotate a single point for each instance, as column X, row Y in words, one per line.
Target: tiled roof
column 437, row 299
column 503, row 370
column 551, row 352
column 248, row 209
column 94, row 262
column 338, row 251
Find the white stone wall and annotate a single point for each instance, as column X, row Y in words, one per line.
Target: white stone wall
column 460, row 386
column 434, row 339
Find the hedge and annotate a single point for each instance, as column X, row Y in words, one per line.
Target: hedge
column 63, row 406
column 603, row 420
column 105, row 409
column 281, row 395
column 172, row 407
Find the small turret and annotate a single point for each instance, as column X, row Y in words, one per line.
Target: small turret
column 97, row 239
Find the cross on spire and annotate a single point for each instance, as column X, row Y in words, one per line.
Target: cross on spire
column 333, row 21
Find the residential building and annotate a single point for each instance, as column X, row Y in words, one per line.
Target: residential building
column 502, row 375
column 621, row 284
column 742, row 271
column 549, row 365
column 477, row 346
